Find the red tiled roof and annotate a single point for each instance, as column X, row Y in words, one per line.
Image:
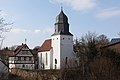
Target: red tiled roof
column 46, row 46
column 7, row 52
column 18, row 49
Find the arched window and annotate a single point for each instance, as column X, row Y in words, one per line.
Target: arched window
column 55, row 61
column 41, row 57
column 46, row 59
column 43, row 66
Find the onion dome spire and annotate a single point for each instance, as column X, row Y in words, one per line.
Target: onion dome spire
column 62, row 25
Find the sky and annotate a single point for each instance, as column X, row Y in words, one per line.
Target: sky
column 34, row 19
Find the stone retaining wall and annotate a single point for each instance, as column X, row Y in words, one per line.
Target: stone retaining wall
column 37, row 74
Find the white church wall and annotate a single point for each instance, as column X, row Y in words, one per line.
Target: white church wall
column 51, row 58
column 66, row 46
column 56, row 51
column 62, row 49
column 44, row 60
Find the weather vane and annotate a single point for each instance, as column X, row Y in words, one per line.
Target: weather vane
column 61, row 4
column 25, row 40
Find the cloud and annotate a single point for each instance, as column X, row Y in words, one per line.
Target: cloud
column 18, row 35
column 108, row 13
column 18, row 30
column 78, row 5
column 35, row 31
column 43, row 30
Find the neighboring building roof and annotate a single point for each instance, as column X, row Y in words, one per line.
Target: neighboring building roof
column 46, row 46
column 113, row 41
column 7, row 52
column 36, row 48
column 16, row 51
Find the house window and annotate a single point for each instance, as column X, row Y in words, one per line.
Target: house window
column 66, row 60
column 19, row 58
column 63, row 38
column 16, row 58
column 22, row 58
column 68, row 38
column 25, row 58
column 46, row 59
column 30, row 58
column 23, row 65
column 26, row 66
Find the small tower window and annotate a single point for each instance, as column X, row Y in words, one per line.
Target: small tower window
column 68, row 38
column 57, row 38
column 63, row 38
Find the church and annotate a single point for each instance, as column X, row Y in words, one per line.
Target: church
column 55, row 53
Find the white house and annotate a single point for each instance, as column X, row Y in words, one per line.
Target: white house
column 58, row 50
column 23, row 58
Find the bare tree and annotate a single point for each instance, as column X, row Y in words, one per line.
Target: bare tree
column 3, row 28
column 87, row 48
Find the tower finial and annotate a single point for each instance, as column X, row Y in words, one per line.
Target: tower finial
column 61, row 4
column 25, row 40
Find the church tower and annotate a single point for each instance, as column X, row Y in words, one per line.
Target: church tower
column 62, row 42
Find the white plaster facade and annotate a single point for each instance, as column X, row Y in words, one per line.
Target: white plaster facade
column 23, row 59
column 62, row 49
column 44, row 60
